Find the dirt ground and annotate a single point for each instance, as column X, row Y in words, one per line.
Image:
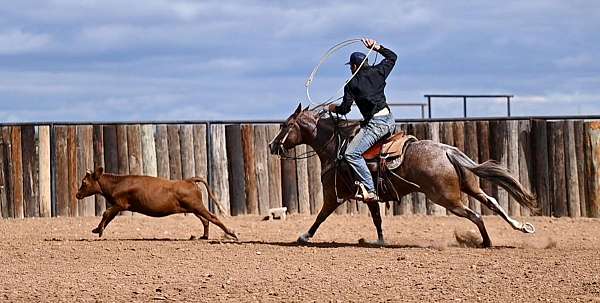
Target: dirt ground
column 142, row 259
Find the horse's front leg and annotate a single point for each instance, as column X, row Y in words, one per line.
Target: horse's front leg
column 376, row 215
column 329, row 205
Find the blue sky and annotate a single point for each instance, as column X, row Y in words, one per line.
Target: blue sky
column 171, row 60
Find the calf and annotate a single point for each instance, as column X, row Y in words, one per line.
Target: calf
column 150, row 196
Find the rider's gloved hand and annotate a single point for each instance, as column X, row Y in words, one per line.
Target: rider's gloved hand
column 370, row 43
column 331, row 107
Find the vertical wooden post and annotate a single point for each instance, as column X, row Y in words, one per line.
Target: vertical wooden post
column 44, row 185
column 62, row 171
column 541, row 176
column 149, row 150
column 275, row 187
column 30, row 193
column 186, row 139
column 98, row 151
column 315, row 188
column 592, row 131
column 483, row 142
column 219, row 177
column 514, row 208
column 434, row 135
column 5, row 179
column 134, row 149
column 122, row 152
column 17, row 172
column 302, row 177
column 162, row 151
column 572, row 179
column 122, row 155
column 261, row 151
column 249, row 157
column 85, row 161
column 499, row 144
column 525, row 159
column 235, row 157
column 471, row 150
column 174, row 152
column 289, row 184
column 200, row 157
column 72, row 170
column 559, row 186
column 111, row 156
column 580, row 153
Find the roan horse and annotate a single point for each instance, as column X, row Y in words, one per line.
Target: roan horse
column 440, row 171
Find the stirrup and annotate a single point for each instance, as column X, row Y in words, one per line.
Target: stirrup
column 363, row 195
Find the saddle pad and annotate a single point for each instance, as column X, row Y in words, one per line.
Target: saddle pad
column 391, row 147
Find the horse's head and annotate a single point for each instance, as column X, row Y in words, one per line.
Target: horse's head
column 299, row 128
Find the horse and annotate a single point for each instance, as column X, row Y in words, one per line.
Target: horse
column 440, row 171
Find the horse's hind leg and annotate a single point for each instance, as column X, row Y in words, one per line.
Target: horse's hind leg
column 205, row 224
column 376, row 215
column 474, row 217
column 495, row 206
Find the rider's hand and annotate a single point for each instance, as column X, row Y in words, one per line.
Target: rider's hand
column 370, row 43
column 331, row 107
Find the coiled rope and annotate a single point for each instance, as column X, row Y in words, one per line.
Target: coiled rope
column 324, row 58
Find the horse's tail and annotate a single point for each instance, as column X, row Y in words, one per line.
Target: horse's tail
column 494, row 172
column 211, row 195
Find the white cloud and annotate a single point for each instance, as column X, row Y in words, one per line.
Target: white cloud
column 154, row 59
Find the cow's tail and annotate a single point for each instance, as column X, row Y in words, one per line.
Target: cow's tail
column 211, row 195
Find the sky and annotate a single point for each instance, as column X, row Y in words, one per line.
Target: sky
column 85, row 60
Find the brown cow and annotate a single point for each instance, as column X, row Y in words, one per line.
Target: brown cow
column 150, row 196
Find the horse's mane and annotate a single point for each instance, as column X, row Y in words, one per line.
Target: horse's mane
column 347, row 128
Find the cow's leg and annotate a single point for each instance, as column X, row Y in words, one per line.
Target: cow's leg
column 107, row 216
column 201, row 211
column 205, row 225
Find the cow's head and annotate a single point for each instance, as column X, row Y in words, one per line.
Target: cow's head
column 89, row 184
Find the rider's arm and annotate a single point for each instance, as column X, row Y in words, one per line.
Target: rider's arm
column 346, row 104
column 386, row 65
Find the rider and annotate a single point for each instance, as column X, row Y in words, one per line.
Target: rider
column 367, row 89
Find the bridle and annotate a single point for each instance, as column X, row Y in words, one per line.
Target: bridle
column 310, row 153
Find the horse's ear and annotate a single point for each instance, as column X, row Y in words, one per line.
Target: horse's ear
column 299, row 109
column 306, row 108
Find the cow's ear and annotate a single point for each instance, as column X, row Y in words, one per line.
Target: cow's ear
column 98, row 173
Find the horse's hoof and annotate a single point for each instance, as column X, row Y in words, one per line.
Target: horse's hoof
column 203, row 238
column 528, row 228
column 364, row 241
column 96, row 230
column 303, row 239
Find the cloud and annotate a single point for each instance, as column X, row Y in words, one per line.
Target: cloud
column 16, row 41
column 160, row 59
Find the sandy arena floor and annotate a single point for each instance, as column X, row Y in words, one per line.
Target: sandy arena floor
column 143, row 259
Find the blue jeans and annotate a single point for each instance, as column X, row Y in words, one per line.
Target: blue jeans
column 367, row 136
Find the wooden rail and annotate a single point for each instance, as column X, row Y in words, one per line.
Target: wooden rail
column 41, row 166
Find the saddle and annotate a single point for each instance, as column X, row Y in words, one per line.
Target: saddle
column 389, row 151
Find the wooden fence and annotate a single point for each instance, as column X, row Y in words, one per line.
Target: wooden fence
column 41, row 166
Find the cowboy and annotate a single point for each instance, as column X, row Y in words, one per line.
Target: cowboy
column 366, row 88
